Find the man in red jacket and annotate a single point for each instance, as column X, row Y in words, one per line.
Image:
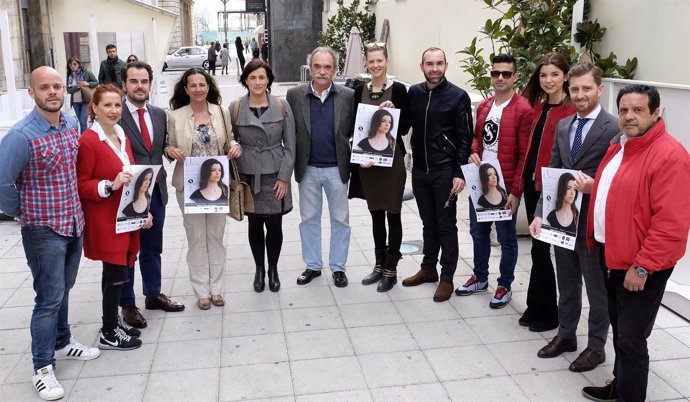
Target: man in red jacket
column 500, row 138
column 638, row 213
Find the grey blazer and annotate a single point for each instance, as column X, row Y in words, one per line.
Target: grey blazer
column 142, row 156
column 268, row 142
column 597, row 141
column 298, row 98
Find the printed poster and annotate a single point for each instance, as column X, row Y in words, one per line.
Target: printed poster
column 136, row 198
column 561, row 207
column 487, row 191
column 207, row 185
column 376, row 131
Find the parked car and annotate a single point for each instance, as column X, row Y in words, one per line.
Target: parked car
column 187, row 57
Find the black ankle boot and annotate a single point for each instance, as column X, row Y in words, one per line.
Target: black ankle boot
column 377, row 273
column 390, row 272
column 273, row 280
column 259, row 281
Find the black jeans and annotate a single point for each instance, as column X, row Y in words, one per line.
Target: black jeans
column 432, row 191
column 632, row 317
column 212, row 67
column 542, row 305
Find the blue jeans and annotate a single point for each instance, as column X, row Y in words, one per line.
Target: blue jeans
column 81, row 110
column 507, row 236
column 54, row 263
column 317, row 181
column 151, row 243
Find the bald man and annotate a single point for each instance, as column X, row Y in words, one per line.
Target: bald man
column 38, row 186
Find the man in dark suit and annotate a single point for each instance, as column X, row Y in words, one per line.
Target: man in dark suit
column 323, row 122
column 146, row 128
column 580, row 144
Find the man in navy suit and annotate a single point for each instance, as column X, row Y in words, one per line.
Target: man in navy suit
column 146, row 129
column 580, row 144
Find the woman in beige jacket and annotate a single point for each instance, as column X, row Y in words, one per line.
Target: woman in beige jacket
column 198, row 126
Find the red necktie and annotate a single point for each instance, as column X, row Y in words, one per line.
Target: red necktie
column 144, row 129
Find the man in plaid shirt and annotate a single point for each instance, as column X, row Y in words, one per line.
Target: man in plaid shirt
column 38, row 186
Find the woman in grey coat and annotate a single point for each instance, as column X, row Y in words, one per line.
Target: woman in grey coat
column 266, row 130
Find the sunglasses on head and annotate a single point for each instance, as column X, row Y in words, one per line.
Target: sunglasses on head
column 375, row 44
column 203, row 133
column 505, row 74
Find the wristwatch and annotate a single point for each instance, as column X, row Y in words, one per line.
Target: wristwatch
column 108, row 188
column 641, row 272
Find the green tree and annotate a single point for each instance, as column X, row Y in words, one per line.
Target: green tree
column 339, row 26
column 528, row 29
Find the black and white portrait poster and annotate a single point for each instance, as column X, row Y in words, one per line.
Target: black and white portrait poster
column 206, row 185
column 376, row 131
column 561, row 207
column 136, row 198
column 487, row 191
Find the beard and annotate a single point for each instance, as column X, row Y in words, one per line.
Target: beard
column 51, row 109
column 434, row 80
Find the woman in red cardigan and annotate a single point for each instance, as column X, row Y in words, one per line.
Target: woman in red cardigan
column 547, row 92
column 103, row 152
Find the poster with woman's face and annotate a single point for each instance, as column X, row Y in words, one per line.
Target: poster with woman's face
column 487, row 191
column 376, row 131
column 136, row 198
column 561, row 207
column 206, row 185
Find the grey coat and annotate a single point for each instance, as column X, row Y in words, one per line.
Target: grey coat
column 268, row 142
column 298, row 98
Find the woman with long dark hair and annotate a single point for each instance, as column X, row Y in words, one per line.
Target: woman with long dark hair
column 266, row 128
column 493, row 195
column 211, row 186
column 547, row 92
column 142, row 200
column 383, row 187
column 379, row 140
column 565, row 215
column 199, row 126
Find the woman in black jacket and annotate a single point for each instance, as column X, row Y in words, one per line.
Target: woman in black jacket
column 240, row 53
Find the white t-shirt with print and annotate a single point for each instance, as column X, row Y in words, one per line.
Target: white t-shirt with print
column 490, row 132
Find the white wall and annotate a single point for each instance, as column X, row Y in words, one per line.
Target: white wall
column 654, row 31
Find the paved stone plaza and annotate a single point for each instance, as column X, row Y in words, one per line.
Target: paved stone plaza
column 316, row 342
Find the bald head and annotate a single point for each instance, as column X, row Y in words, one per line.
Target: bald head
column 47, row 89
column 42, row 73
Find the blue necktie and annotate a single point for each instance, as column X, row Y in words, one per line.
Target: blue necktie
column 577, row 141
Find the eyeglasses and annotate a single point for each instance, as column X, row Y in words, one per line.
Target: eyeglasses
column 375, row 44
column 203, row 133
column 451, row 200
column 505, row 74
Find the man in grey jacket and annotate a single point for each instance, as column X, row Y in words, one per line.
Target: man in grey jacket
column 323, row 121
column 110, row 71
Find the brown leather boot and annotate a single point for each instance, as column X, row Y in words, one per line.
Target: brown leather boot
column 443, row 291
column 422, row 276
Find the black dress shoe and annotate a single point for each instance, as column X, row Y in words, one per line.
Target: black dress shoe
column 607, row 393
column 273, row 279
column 307, row 276
column 525, row 320
column 339, row 279
column 588, row 360
column 557, row 346
column 162, row 302
column 259, row 279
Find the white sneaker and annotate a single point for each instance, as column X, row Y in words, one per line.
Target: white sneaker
column 47, row 385
column 501, row 298
column 77, row 351
column 472, row 286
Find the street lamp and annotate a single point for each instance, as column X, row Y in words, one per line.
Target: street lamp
column 225, row 18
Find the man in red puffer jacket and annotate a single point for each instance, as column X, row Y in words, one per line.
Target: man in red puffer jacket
column 500, row 138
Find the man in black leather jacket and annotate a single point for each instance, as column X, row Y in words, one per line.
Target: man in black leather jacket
column 441, row 139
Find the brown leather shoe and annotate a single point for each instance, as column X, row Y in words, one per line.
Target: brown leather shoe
column 422, row 276
column 133, row 317
column 162, row 302
column 588, row 360
column 443, row 291
column 557, row 346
